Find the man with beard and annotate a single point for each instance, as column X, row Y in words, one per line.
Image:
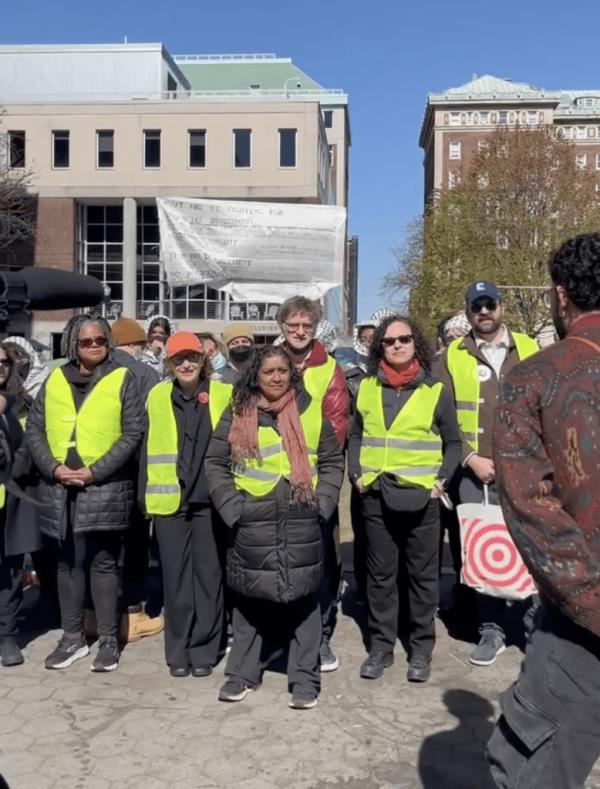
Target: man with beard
column 546, row 450
column 473, row 367
column 238, row 338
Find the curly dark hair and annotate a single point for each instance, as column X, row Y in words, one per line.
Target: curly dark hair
column 422, row 350
column 576, row 266
column 14, row 383
column 246, row 389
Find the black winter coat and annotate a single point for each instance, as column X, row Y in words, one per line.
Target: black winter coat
column 275, row 545
column 105, row 504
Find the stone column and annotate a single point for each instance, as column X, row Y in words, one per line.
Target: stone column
column 129, row 257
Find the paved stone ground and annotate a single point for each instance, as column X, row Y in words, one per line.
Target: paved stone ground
column 137, row 727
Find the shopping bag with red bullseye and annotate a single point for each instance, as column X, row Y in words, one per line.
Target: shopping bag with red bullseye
column 491, row 563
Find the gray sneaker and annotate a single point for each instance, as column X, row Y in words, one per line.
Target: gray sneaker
column 327, row 657
column 491, row 644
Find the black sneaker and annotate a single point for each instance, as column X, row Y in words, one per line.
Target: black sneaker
column 303, row 699
column 234, row 690
column 9, row 652
column 67, row 651
column 107, row 658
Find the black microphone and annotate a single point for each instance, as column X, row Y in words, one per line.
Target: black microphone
column 47, row 289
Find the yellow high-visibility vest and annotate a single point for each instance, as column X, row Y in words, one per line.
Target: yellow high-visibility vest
column 260, row 478
column 409, row 450
column 316, row 380
column 163, row 491
column 95, row 428
column 462, row 367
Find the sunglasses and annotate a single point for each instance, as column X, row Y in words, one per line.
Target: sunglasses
column 489, row 304
column 90, row 342
column 180, row 359
column 403, row 339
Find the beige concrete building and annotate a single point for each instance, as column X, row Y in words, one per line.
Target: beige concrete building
column 457, row 120
column 105, row 130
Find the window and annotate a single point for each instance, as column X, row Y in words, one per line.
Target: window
column 484, row 118
column 567, row 132
column 287, row 147
column 331, row 149
column 242, row 147
column 483, row 146
column 328, row 118
column 455, row 119
column 105, row 143
column 503, row 117
column 147, row 253
column 100, row 249
column 581, row 133
column 197, row 147
column 60, row 149
column 452, row 179
column 454, row 150
column 532, row 118
column 581, row 161
column 598, row 161
column 16, row 148
column 152, row 148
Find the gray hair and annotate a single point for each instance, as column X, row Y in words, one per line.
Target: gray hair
column 68, row 345
column 299, row 304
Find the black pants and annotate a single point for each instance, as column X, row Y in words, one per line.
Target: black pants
column 548, row 736
column 331, row 577
column 413, row 539
column 359, row 547
column 136, row 543
column 193, row 587
column 93, row 556
column 261, row 628
column 11, row 592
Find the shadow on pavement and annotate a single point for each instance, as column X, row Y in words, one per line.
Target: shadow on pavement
column 455, row 759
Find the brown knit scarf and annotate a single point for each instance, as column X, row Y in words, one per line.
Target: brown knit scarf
column 243, row 439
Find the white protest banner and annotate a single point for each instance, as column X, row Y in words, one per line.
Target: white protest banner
column 252, row 250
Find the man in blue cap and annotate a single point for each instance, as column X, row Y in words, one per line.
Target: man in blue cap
column 473, row 368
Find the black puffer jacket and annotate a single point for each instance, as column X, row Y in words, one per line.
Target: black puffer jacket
column 106, row 504
column 275, row 545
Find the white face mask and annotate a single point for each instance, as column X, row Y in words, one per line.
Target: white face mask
column 218, row 362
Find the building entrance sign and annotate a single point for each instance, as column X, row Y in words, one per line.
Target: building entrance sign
column 263, row 251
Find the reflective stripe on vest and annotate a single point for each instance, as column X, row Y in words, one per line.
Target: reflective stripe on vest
column 462, row 366
column 95, row 428
column 260, row 478
column 163, row 491
column 409, row 450
column 316, row 380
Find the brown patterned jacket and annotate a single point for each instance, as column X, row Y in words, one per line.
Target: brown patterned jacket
column 547, row 458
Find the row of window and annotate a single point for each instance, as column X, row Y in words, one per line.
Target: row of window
column 152, row 148
column 455, row 153
column 581, row 160
column 489, row 118
column 580, row 132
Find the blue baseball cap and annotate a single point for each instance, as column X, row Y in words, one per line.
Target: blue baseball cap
column 482, row 290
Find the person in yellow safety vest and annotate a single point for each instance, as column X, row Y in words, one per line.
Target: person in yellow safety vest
column 83, row 431
column 473, row 368
column 324, row 380
column 274, row 471
column 403, row 447
column 182, row 414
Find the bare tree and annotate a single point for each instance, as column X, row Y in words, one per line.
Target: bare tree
column 17, row 204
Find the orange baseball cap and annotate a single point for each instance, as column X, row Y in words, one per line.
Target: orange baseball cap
column 182, row 341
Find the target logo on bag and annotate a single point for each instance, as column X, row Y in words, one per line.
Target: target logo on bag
column 491, row 562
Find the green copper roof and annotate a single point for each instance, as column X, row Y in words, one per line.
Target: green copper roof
column 265, row 74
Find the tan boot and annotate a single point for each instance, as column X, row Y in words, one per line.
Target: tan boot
column 136, row 625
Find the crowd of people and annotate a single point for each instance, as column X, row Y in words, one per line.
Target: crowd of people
column 231, row 457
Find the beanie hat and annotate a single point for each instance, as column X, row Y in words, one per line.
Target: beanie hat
column 234, row 330
column 126, row 330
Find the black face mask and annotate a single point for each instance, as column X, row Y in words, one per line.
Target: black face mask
column 241, row 354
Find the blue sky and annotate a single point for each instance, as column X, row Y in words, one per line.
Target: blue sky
column 386, row 55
